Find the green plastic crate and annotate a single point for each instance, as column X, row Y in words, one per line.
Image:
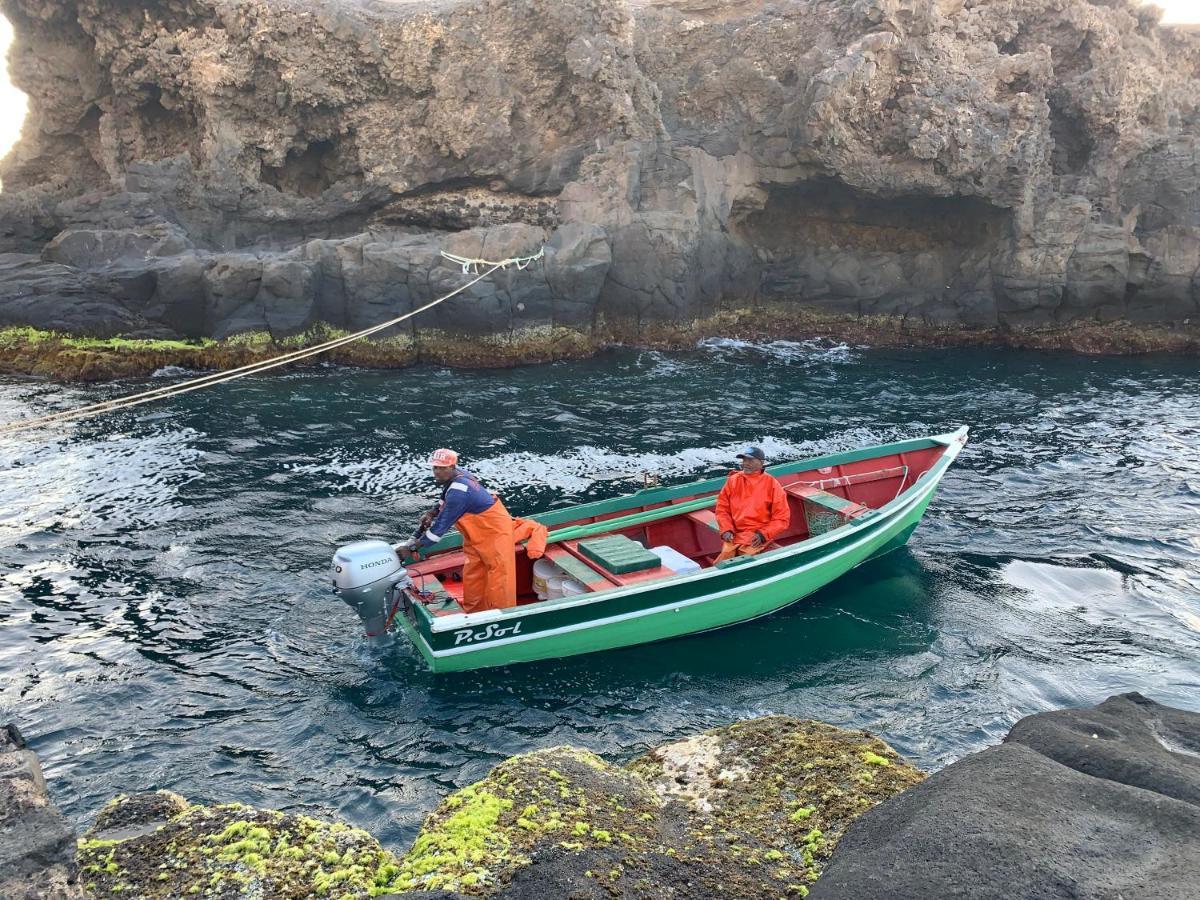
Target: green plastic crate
column 619, row 554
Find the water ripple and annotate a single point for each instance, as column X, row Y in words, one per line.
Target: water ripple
column 163, row 620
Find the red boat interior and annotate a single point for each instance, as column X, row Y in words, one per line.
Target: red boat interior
column 820, row 500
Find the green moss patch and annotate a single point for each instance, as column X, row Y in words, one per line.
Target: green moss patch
column 561, row 798
column 778, row 791
column 748, row 811
column 231, row 851
column 27, row 351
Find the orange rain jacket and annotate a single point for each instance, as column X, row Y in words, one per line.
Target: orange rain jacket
column 534, row 534
column 749, row 503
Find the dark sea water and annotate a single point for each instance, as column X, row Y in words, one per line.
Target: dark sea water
column 164, row 621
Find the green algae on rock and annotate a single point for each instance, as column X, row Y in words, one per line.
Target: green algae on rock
column 27, row 351
column 157, row 846
column 747, row 811
column 751, row 810
column 560, row 797
column 777, row 790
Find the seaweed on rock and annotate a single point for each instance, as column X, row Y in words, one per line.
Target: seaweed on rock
column 747, row 811
column 178, row 850
column 751, row 810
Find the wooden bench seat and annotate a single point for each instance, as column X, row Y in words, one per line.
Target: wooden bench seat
column 578, row 569
column 441, row 562
column 835, row 481
column 705, row 517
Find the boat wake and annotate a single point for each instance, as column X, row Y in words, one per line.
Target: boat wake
column 574, row 472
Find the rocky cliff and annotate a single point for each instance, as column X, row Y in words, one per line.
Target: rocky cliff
column 203, row 167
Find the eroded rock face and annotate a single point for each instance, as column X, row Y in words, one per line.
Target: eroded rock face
column 1003, row 163
column 1100, row 802
column 37, row 846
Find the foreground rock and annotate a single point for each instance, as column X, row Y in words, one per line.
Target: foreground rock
column 747, row 811
column 218, row 166
column 1093, row 803
column 37, row 846
column 1100, row 802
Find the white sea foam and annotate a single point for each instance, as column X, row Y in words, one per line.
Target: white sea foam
column 812, row 352
column 572, row 471
column 662, row 364
column 173, row 372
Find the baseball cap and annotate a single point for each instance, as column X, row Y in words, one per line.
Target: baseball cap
column 754, row 452
column 443, row 457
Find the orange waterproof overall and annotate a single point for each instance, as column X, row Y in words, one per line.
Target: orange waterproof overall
column 490, row 572
column 749, row 503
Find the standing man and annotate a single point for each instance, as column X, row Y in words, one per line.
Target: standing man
column 490, row 572
column 752, row 509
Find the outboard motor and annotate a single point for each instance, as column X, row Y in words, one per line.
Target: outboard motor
column 368, row 576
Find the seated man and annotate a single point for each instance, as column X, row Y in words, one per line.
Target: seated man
column 752, row 509
column 490, row 570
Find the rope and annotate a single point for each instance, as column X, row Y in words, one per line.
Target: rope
column 204, row 381
column 470, row 265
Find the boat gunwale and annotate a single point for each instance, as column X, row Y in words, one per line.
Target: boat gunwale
column 953, row 441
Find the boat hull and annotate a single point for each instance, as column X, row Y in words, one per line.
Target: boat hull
column 715, row 598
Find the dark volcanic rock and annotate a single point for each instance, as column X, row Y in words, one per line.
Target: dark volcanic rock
column 1009, row 163
column 747, row 811
column 1094, row 803
column 1087, row 803
column 37, row 846
column 1127, row 739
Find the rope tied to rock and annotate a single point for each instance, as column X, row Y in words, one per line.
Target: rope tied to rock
column 470, row 265
column 195, row 384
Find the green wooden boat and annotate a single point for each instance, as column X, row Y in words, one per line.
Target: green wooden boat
column 846, row 508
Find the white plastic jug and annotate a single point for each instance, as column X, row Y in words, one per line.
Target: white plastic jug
column 571, row 587
column 554, row 585
column 543, row 571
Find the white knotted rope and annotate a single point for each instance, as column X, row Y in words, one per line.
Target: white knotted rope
column 470, row 265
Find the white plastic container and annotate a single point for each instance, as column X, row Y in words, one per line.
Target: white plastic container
column 543, row 571
column 571, row 587
column 675, row 561
column 554, row 585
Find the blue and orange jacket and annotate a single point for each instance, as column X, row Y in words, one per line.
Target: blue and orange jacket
column 464, row 494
